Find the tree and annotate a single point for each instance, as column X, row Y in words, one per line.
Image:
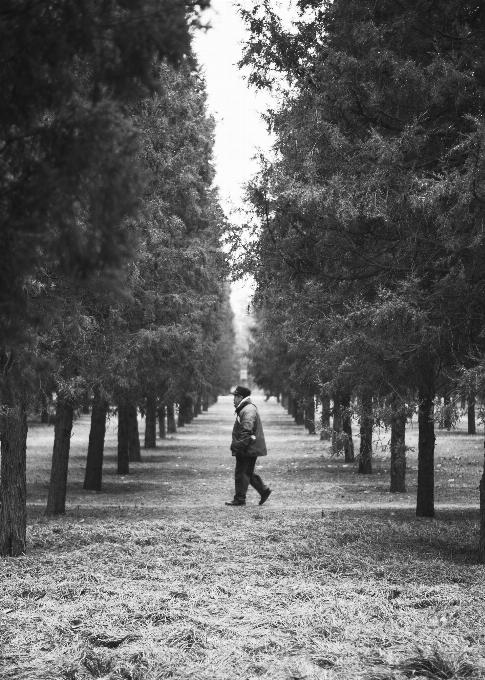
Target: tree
column 94, row 463
column 68, row 172
column 374, row 199
column 68, row 175
column 171, row 334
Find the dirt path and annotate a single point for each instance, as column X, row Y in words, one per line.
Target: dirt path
column 194, row 469
column 155, row 577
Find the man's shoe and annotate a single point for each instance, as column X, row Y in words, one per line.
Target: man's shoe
column 264, row 496
column 236, row 503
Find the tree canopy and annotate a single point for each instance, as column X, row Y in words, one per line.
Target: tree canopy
column 367, row 234
column 68, row 173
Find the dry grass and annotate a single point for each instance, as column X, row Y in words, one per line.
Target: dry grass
column 305, row 587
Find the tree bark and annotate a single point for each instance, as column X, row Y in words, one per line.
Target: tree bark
column 151, row 422
column 425, row 495
column 134, row 451
column 189, row 409
column 161, row 414
column 171, row 424
column 347, row 428
column 289, row 405
column 310, row 416
column 398, row 447
column 205, row 402
column 56, row 500
column 13, row 494
column 337, row 440
column 123, row 440
column 94, row 463
column 325, row 417
column 181, row 414
column 472, row 426
column 481, row 546
column 86, row 402
column 366, row 429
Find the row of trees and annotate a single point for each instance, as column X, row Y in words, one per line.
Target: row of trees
column 116, row 290
column 367, row 234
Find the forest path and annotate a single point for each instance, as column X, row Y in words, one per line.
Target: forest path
column 194, row 469
column 333, row 578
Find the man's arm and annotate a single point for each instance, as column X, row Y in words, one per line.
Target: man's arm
column 247, row 419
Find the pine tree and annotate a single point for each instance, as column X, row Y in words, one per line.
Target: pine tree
column 68, row 171
column 370, row 215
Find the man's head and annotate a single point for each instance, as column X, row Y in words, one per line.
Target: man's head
column 239, row 394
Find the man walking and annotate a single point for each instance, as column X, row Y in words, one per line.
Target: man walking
column 247, row 444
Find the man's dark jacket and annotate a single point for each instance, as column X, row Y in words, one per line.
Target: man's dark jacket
column 247, row 433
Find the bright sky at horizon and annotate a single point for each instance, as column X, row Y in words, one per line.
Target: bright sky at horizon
column 240, row 130
column 236, row 107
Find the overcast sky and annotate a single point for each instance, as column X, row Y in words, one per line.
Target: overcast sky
column 235, row 106
column 240, row 131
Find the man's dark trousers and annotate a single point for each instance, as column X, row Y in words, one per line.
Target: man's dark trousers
column 244, row 476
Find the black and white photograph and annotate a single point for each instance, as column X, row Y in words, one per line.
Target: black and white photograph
column 242, row 339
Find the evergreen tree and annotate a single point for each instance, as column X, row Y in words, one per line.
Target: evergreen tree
column 68, row 171
column 371, row 214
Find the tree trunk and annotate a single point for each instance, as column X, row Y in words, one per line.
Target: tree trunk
column 289, row 406
column 161, row 414
column 300, row 414
column 94, row 463
column 205, row 402
column 171, row 424
column 134, row 451
column 56, row 501
column 284, row 400
column 86, row 402
column 366, row 429
column 398, row 447
column 481, row 546
column 181, row 414
column 44, row 413
column 189, row 409
column 347, row 428
column 310, row 416
column 472, row 426
column 337, row 440
column 123, row 440
column 425, row 496
column 13, row 494
column 198, row 406
column 151, row 422
column 325, row 417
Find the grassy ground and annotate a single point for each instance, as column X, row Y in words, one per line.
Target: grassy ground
column 333, row 578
